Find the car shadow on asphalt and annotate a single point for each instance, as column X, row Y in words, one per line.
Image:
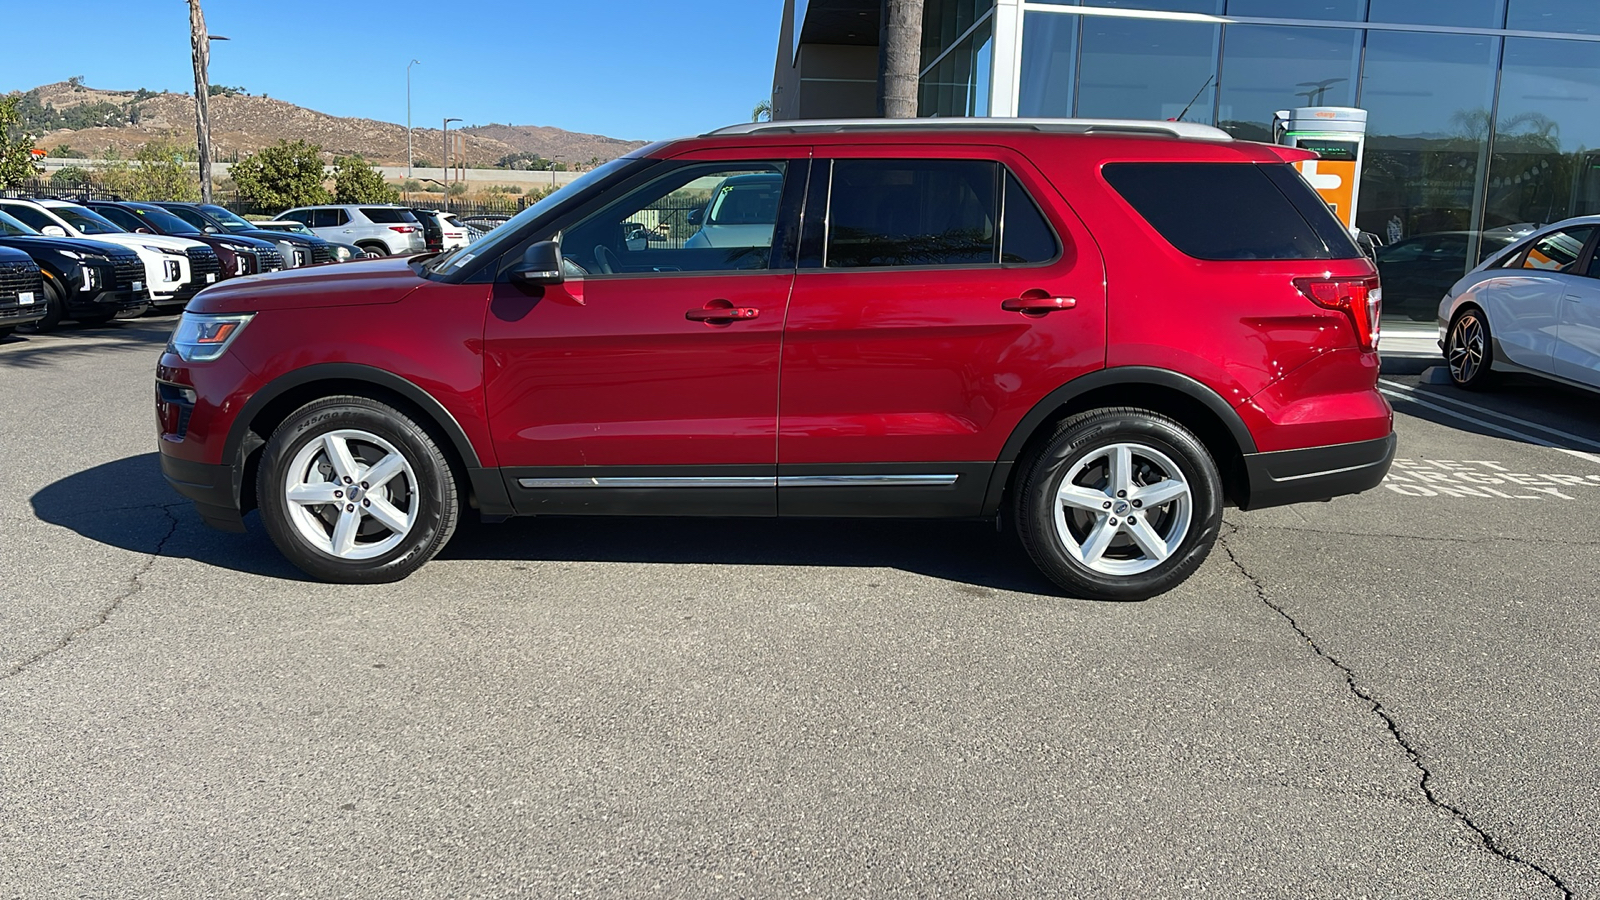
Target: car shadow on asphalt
column 116, row 503
column 128, row 505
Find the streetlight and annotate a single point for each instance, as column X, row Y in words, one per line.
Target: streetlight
column 414, row 62
column 446, row 159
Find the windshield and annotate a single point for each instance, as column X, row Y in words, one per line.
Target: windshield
column 86, row 221
column 10, row 226
column 166, row 222
column 228, row 219
column 493, row 241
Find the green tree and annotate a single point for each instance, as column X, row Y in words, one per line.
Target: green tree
column 159, row 171
column 16, row 146
column 355, row 181
column 69, row 177
column 285, row 175
column 762, row 112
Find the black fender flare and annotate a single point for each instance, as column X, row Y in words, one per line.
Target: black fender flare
column 1112, row 377
column 347, row 372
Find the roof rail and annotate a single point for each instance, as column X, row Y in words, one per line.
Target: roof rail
column 1184, row 130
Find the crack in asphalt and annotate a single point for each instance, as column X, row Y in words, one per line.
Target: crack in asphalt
column 135, row 585
column 1389, row 722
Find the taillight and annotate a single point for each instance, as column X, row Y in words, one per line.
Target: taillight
column 403, row 229
column 1359, row 298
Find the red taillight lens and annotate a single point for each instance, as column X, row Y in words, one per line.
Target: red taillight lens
column 403, row 229
column 1359, row 298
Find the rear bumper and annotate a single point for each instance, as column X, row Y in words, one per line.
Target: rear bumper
column 1316, row 473
column 211, row 487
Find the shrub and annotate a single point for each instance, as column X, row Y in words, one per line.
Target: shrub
column 282, row 176
column 355, row 181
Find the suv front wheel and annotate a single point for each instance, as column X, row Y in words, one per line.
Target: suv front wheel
column 1119, row 504
column 353, row 491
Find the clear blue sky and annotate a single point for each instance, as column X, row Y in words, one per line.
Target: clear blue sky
column 634, row 69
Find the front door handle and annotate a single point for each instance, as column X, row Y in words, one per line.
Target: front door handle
column 721, row 312
column 1037, row 303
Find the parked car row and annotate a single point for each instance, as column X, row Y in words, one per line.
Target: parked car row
column 100, row 260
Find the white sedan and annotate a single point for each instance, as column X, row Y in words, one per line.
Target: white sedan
column 1533, row 307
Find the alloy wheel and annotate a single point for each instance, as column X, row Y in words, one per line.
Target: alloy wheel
column 351, row 495
column 1123, row 509
column 1465, row 348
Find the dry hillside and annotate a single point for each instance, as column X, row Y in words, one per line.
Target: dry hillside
column 244, row 124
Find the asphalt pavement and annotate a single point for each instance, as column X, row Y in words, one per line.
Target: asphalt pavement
column 1389, row 695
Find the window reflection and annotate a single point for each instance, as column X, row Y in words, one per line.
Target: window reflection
column 1267, row 68
column 1549, row 114
column 1049, row 64
column 1427, row 98
column 1560, row 16
column 958, row 85
column 1336, row 10
column 1460, row 13
column 1140, row 69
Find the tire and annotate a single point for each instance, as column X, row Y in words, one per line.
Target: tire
column 1068, row 529
column 55, row 308
column 374, row 251
column 362, row 543
column 1469, row 350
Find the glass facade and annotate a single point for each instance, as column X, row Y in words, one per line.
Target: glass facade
column 1483, row 115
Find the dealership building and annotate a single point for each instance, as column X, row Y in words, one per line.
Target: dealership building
column 1483, row 115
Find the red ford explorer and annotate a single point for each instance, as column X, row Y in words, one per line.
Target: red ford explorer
column 1103, row 331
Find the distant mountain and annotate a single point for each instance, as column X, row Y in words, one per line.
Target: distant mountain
column 92, row 121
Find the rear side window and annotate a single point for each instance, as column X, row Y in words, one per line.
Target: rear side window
column 916, row 212
column 932, row 212
column 326, row 218
column 1233, row 211
column 384, row 215
column 1558, row 252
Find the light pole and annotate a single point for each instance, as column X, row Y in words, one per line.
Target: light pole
column 446, row 160
column 414, row 62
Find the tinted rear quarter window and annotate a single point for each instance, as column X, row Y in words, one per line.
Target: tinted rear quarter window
column 923, row 212
column 1233, row 211
column 388, row 215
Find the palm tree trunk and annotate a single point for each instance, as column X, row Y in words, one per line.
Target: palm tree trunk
column 899, row 58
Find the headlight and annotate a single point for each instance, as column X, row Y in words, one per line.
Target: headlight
column 202, row 338
column 167, row 250
column 342, row 254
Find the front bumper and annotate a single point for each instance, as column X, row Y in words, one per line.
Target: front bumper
column 1316, row 473
column 211, row 487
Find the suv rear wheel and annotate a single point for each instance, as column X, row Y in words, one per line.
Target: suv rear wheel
column 1119, row 504
column 354, row 491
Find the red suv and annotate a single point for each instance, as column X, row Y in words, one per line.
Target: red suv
column 1102, row 331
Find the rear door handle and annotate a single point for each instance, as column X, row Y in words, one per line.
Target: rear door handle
column 1037, row 306
column 722, row 314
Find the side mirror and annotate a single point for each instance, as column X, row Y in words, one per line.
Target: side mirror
column 541, row 265
column 212, row 229
column 696, row 216
column 143, row 231
column 53, row 231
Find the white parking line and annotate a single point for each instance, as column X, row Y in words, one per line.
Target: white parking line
column 1410, row 396
column 1478, row 410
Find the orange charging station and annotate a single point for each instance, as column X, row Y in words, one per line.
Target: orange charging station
column 1338, row 135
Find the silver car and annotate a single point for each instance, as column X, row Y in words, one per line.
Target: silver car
column 377, row 230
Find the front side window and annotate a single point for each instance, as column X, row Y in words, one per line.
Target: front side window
column 710, row 217
column 87, row 222
column 303, row 216
column 122, row 218
column 1557, row 252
